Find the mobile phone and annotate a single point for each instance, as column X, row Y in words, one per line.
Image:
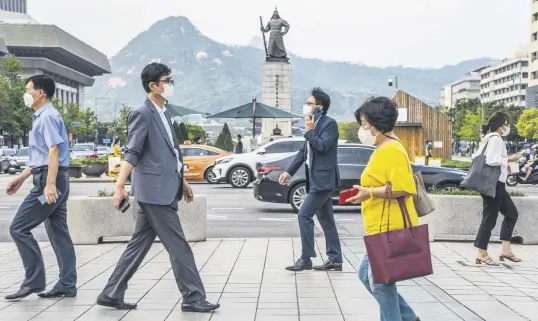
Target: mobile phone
column 124, row 205
column 347, row 194
column 42, row 199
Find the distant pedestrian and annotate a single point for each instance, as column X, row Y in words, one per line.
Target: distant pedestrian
column 117, row 151
column 239, row 146
column 47, row 201
column 498, row 126
column 158, row 184
column 389, row 164
column 428, row 151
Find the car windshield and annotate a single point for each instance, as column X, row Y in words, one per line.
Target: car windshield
column 22, row 152
column 83, row 148
column 9, row 152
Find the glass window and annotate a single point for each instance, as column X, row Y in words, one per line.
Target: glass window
column 346, row 156
column 22, row 152
column 195, row 152
column 278, row 147
column 364, row 155
column 296, row 145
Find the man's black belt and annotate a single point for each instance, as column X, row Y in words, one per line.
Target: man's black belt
column 41, row 169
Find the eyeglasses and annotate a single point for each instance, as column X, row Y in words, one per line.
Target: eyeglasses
column 309, row 103
column 167, row 81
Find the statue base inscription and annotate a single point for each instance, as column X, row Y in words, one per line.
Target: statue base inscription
column 276, row 92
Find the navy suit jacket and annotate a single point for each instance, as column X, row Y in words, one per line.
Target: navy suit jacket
column 323, row 168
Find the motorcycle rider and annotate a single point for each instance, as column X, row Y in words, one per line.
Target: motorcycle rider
column 533, row 165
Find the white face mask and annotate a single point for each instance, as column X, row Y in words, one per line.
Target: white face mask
column 28, row 100
column 168, row 91
column 366, row 137
column 506, row 131
column 307, row 110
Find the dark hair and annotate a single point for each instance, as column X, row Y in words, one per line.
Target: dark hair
column 44, row 83
column 495, row 121
column 117, row 140
column 380, row 112
column 153, row 73
column 428, row 141
column 239, row 136
column 321, row 98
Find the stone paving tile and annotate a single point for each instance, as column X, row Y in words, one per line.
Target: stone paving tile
column 247, row 277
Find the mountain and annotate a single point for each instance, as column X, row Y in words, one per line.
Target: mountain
column 211, row 77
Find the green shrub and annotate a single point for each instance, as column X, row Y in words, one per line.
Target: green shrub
column 89, row 161
column 455, row 164
column 467, row 192
column 75, row 162
column 105, row 193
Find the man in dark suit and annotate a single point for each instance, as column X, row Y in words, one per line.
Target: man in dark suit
column 154, row 156
column 319, row 154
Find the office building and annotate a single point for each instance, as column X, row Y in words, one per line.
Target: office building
column 466, row 88
column 532, row 89
column 506, row 82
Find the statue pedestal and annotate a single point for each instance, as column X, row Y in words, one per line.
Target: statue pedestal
column 276, row 92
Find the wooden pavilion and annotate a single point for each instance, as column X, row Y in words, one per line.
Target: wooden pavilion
column 419, row 122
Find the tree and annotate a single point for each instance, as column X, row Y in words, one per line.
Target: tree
column 121, row 130
column 470, row 127
column 195, row 131
column 348, row 131
column 184, row 131
column 177, row 131
column 224, row 141
column 527, row 124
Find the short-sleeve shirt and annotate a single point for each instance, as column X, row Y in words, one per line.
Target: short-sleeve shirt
column 48, row 130
column 389, row 163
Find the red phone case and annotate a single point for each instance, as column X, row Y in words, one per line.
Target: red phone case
column 347, row 194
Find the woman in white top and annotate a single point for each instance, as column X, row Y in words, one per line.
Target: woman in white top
column 496, row 155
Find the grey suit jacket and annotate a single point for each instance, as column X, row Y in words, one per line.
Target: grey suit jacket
column 155, row 178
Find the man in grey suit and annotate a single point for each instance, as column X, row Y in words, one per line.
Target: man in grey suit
column 154, row 157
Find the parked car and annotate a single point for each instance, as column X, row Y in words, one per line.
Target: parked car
column 352, row 159
column 199, row 161
column 84, row 150
column 102, row 151
column 239, row 170
column 18, row 162
column 5, row 155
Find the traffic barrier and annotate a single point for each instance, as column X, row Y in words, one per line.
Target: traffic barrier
column 458, row 218
column 92, row 219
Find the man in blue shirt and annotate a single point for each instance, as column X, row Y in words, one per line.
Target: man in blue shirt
column 49, row 161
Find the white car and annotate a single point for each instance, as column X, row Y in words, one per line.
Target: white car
column 239, row 170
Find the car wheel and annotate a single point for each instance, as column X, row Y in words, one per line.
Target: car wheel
column 448, row 187
column 210, row 176
column 511, row 180
column 297, row 196
column 239, row 177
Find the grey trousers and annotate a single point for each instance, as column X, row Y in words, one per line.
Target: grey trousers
column 31, row 213
column 321, row 205
column 161, row 221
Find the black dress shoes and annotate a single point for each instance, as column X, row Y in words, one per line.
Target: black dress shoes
column 329, row 266
column 22, row 293
column 300, row 265
column 202, row 306
column 113, row 303
column 56, row 294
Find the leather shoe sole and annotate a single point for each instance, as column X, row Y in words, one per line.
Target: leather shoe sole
column 323, row 268
column 18, row 295
column 199, row 309
column 56, row 294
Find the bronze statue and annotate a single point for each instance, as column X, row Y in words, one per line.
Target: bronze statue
column 277, row 131
column 276, row 47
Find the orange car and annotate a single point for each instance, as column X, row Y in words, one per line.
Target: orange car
column 199, row 161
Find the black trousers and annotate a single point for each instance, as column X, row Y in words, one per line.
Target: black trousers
column 502, row 202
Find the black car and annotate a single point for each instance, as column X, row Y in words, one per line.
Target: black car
column 352, row 159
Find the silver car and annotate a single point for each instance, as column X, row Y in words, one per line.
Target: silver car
column 19, row 162
column 103, row 151
column 5, row 155
column 84, row 150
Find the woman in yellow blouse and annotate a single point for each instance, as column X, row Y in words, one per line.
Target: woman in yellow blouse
column 388, row 164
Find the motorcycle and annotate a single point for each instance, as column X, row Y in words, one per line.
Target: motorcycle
column 514, row 179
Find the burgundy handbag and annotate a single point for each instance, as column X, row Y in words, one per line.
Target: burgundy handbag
column 401, row 254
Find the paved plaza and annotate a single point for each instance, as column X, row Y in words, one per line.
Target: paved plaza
column 247, row 277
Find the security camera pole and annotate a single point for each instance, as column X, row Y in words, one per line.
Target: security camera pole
column 393, row 79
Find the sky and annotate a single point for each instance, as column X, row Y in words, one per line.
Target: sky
column 411, row 33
